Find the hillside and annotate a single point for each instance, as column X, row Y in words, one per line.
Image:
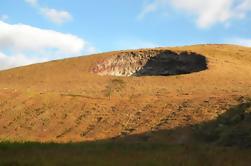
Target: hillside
column 82, row 99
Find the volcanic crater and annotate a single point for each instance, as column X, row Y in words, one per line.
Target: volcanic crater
column 150, row 63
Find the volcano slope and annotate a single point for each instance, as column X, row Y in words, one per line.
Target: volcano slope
column 177, row 95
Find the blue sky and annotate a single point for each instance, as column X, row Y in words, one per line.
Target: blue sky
column 32, row 31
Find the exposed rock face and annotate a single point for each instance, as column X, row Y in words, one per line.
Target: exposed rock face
column 151, row 63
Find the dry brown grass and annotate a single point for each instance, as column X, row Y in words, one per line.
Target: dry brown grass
column 62, row 101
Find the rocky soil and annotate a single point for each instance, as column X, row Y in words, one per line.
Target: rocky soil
column 151, row 63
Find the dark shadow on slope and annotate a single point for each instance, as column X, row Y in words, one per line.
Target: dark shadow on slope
column 171, row 63
column 232, row 129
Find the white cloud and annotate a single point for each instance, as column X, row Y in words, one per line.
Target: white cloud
column 149, row 8
column 26, row 44
column 21, row 37
column 32, row 2
column 9, row 61
column 56, row 16
column 239, row 41
column 3, row 17
column 206, row 12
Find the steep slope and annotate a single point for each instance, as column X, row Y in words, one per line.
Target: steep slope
column 65, row 100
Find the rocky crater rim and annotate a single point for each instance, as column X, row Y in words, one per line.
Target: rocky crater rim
column 150, row 63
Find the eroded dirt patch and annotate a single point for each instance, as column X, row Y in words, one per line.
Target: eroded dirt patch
column 151, row 63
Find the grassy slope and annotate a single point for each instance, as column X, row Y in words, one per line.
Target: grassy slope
column 61, row 101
